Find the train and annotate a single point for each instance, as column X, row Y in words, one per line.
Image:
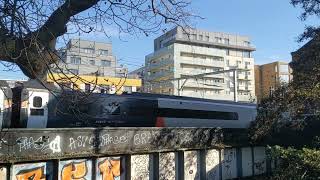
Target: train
column 32, row 106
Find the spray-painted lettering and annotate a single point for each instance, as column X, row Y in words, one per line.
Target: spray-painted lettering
column 32, row 174
column 74, row 171
column 142, row 138
column 109, row 169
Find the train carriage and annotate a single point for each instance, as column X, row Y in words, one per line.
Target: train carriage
column 36, row 107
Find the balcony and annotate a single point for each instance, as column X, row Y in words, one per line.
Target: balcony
column 242, row 77
column 192, row 73
column 160, row 64
column 202, row 62
column 202, row 85
column 241, row 87
column 157, row 75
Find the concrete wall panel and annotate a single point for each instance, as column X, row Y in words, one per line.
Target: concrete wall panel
column 75, row 169
column 260, row 165
column 212, row 165
column 246, row 156
column 3, row 173
column 109, row 168
column 140, row 167
column 167, row 169
column 191, row 165
column 34, row 171
column 229, row 163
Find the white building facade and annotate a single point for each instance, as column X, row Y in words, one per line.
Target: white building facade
column 183, row 53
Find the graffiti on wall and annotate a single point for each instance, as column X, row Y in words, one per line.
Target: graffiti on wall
column 229, row 164
column 34, row 171
column 42, row 144
column 108, row 168
column 79, row 169
column 140, row 167
column 191, row 164
column 167, row 166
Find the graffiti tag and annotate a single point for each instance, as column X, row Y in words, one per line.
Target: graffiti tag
column 74, row 171
column 109, row 169
column 41, row 143
column 33, row 174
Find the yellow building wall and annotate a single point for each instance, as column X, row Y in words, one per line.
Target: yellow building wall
column 95, row 80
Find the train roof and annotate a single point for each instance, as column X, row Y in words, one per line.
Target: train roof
column 34, row 84
column 156, row 96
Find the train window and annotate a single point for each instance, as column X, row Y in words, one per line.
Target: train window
column 197, row 114
column 36, row 112
column 37, row 101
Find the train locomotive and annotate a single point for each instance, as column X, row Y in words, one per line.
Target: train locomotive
column 34, row 107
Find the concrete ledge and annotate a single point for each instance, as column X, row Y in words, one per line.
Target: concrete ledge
column 19, row 145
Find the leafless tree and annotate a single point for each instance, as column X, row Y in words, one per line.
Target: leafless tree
column 29, row 29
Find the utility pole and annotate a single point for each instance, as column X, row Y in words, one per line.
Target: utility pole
column 179, row 87
column 235, row 88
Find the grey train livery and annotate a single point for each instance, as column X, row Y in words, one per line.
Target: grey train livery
column 34, row 107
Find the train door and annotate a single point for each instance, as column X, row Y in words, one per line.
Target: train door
column 38, row 109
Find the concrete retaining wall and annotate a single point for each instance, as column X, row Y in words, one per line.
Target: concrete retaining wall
column 125, row 153
column 208, row 164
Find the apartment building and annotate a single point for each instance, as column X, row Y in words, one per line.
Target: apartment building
column 270, row 76
column 91, row 65
column 184, row 53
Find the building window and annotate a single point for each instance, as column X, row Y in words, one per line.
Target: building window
column 87, row 50
column 284, row 68
column 92, row 62
column 193, row 36
column 74, row 71
column 226, row 41
column 207, row 38
column 246, row 54
column 200, row 37
column 37, row 102
column 246, row 43
column 227, row 52
column 105, row 63
column 218, row 40
column 75, row 60
column 247, row 64
column 103, row 52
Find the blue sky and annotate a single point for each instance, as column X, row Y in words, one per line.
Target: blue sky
column 272, row 25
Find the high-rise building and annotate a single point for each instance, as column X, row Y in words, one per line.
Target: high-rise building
column 91, row 65
column 87, row 58
column 184, row 53
column 269, row 77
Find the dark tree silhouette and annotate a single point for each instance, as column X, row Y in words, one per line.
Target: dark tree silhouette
column 310, row 8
